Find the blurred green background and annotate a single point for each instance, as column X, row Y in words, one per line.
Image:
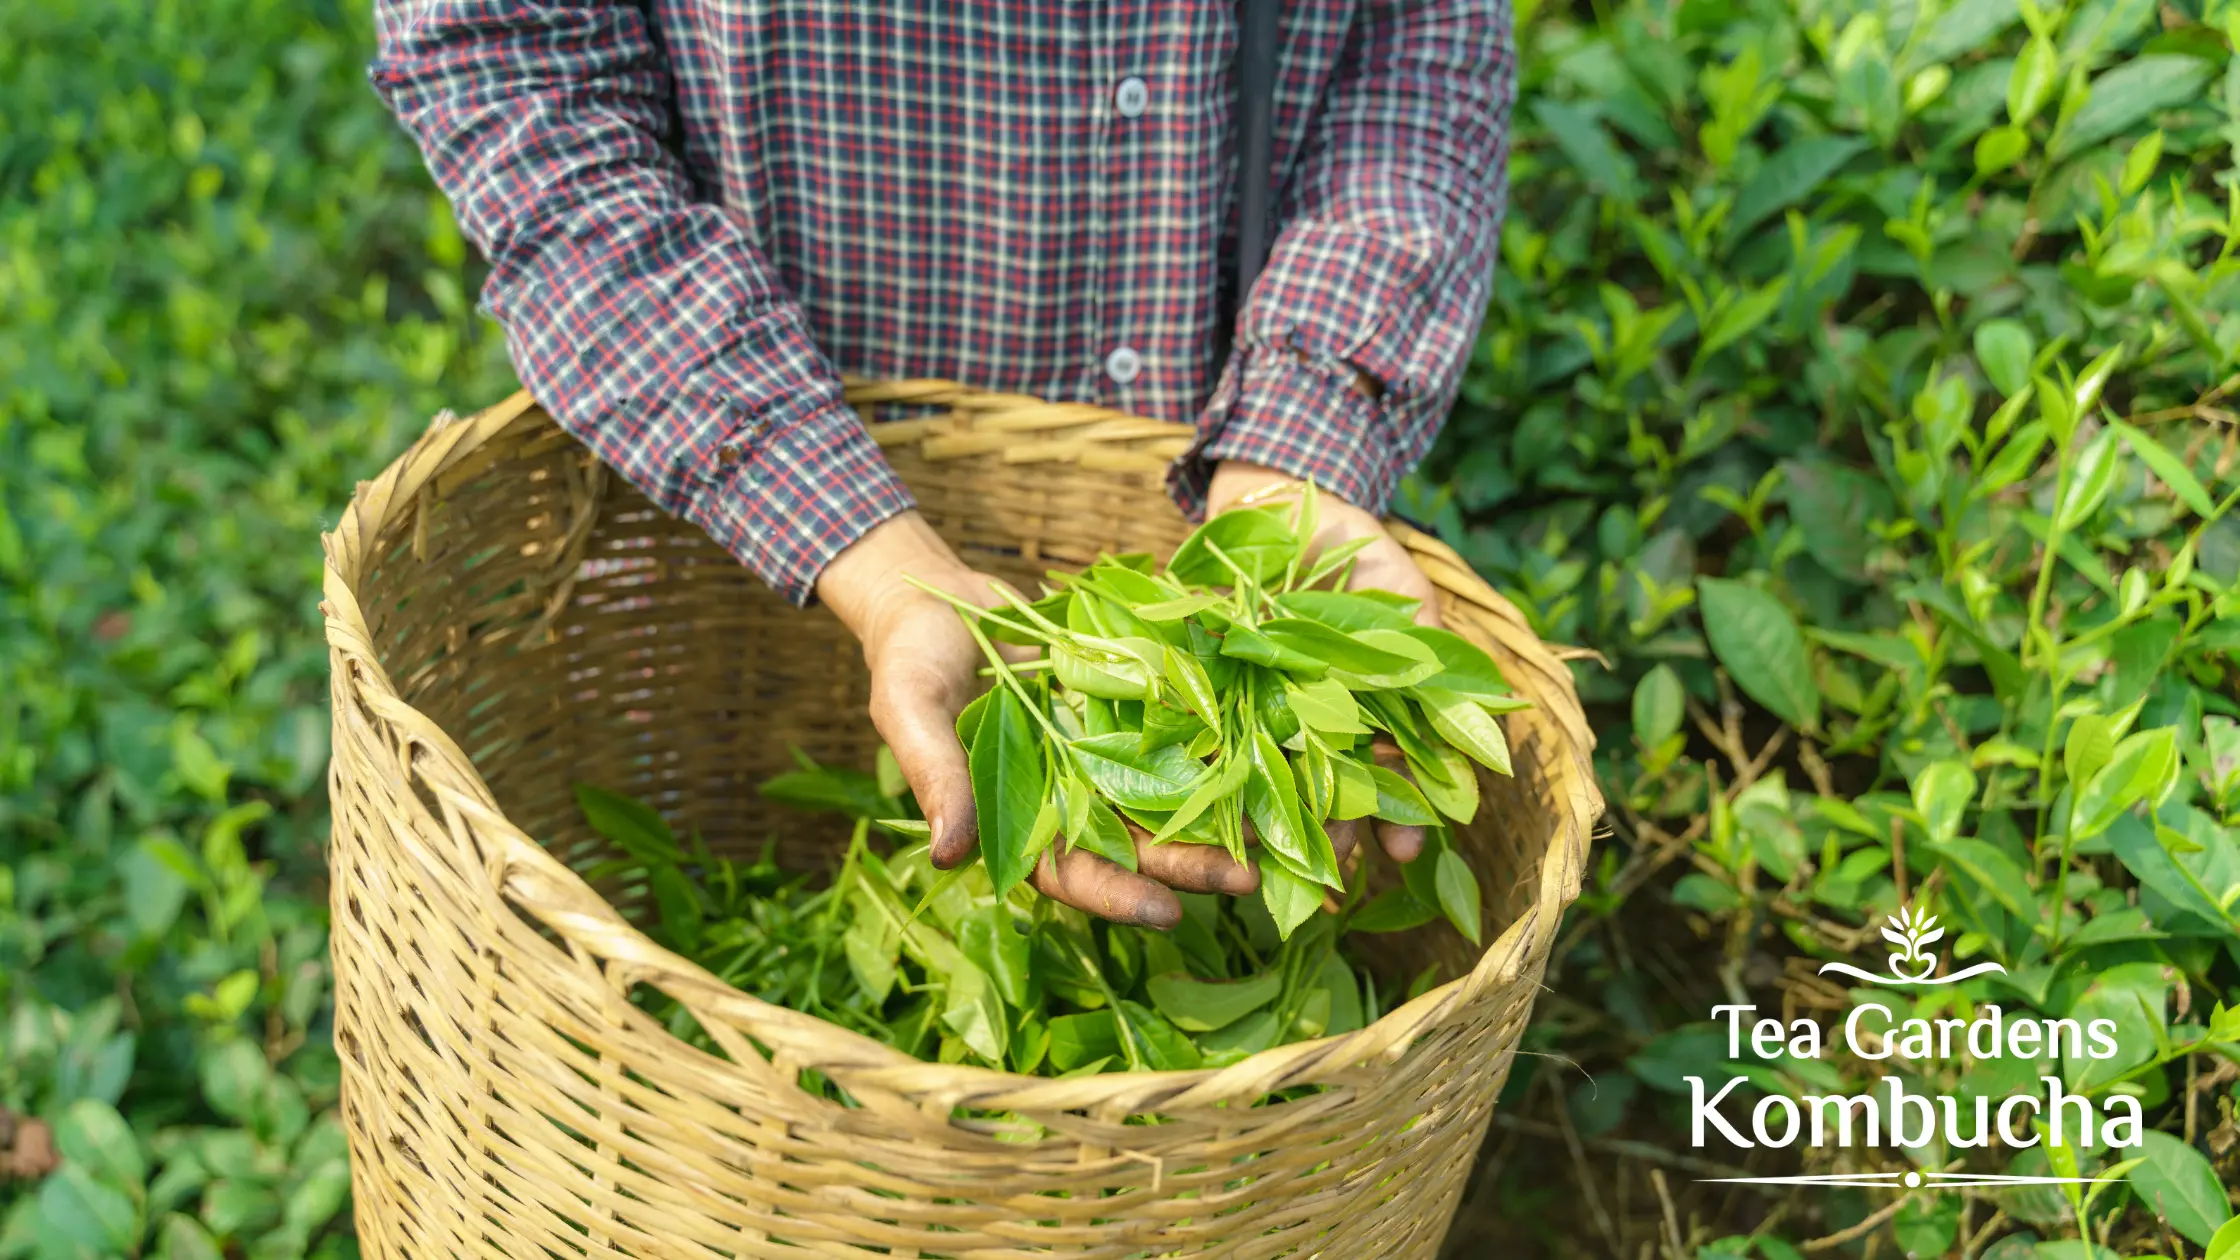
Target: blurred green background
column 1820, row 326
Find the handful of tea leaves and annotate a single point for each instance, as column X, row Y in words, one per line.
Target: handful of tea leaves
column 1235, row 686
column 942, row 966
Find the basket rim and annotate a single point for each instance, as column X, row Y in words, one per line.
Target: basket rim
column 538, row 883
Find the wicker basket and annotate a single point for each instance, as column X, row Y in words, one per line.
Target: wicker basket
column 506, row 619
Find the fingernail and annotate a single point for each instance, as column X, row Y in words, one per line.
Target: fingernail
column 1159, row 915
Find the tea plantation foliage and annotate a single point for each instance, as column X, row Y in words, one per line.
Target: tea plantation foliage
column 1820, row 326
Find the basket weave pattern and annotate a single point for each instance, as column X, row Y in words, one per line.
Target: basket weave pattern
column 507, row 619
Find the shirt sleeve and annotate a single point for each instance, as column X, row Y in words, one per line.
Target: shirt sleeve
column 640, row 314
column 1382, row 260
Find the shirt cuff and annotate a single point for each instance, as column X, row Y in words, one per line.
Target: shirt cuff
column 788, row 498
column 1305, row 417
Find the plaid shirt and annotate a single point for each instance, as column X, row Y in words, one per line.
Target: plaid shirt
column 699, row 213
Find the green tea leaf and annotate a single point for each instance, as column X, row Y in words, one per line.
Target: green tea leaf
column 1464, row 667
column 1763, row 650
column 1393, row 910
column 1449, row 782
column 631, row 824
column 1077, row 1040
column 1258, row 540
column 2130, row 94
column 2142, row 770
column 1788, row 175
column 1007, row 781
column 1996, row 873
column 1204, row 1005
column 1163, row 1046
column 2005, row 349
column 1398, row 801
column 1458, row 893
column 1271, row 800
column 987, row 937
column 1462, row 722
column 2171, row 469
column 1941, row 793
column 1659, row 704
column 1291, row 898
column 1107, row 836
column 1326, row 706
column 2178, row 1184
column 1247, row 644
column 1129, row 777
column 1356, row 794
column 973, row 1011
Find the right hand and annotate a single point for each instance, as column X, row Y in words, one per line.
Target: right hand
column 924, row 670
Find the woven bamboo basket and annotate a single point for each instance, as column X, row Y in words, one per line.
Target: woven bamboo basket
column 506, row 619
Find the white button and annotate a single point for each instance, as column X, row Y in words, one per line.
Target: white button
column 1132, row 98
column 1123, row 365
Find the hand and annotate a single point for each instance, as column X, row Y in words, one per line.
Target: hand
column 1384, row 565
column 924, row 669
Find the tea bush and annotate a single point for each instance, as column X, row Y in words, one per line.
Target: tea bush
column 226, row 293
column 1820, row 327
column 1819, row 324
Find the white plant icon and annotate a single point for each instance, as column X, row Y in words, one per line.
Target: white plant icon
column 1912, row 929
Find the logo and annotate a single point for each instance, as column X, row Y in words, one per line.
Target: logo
column 1913, row 929
column 1889, row 1114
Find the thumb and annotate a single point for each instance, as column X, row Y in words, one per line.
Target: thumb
column 911, row 717
column 1385, row 565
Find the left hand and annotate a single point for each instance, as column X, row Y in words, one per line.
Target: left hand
column 1384, row 565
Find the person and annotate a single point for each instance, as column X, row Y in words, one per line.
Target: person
column 699, row 213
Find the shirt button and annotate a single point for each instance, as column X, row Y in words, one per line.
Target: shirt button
column 1123, row 365
column 1132, row 98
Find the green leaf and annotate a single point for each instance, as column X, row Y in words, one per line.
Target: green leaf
column 1399, row 801
column 2171, row 469
column 1991, row 868
column 80, row 1209
column 1355, row 794
column 1463, row 666
column 1941, row 793
column 1741, row 317
column 1325, row 706
column 1393, row 910
column 988, row 937
column 1788, row 175
column 2142, row 769
column 1133, row 779
column 2005, row 349
column 1762, row 648
column 1203, row 1005
column 1164, row 1047
column 2130, row 94
column 1257, row 540
column 2225, row 1244
column 2031, row 82
column 1291, row 898
column 2178, row 1184
column 972, row 1009
column 631, row 824
column 2000, row 148
column 184, row 1238
column 1108, row 837
column 1271, row 800
column 1188, row 676
column 678, row 903
column 1835, row 508
column 1458, row 893
column 1602, row 165
column 1659, row 705
column 1246, row 644
column 1077, row 1040
column 94, row 1137
column 1464, row 723
column 1338, row 649
column 2089, row 482
column 1007, row 785
column 1348, row 610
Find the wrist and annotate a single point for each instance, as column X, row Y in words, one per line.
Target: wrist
column 866, row 574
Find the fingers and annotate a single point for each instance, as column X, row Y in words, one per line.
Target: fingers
column 1385, row 565
column 1401, row 843
column 1201, row 868
column 911, row 710
column 1095, row 886
column 1344, row 834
